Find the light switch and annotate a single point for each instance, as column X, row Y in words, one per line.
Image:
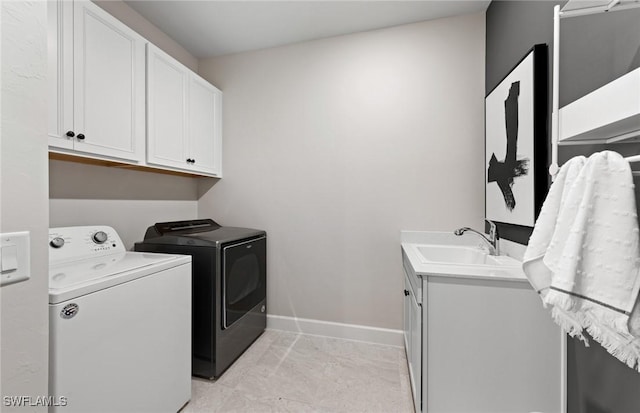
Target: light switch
column 9, row 258
column 15, row 261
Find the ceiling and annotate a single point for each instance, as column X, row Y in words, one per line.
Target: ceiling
column 215, row 28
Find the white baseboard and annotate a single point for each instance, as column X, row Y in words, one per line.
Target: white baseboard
column 338, row 330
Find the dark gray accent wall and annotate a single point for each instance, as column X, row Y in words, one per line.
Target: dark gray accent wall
column 594, row 50
column 513, row 28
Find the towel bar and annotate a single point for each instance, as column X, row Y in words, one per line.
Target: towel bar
column 631, row 159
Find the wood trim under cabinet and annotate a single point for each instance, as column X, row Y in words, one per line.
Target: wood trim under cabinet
column 56, row 156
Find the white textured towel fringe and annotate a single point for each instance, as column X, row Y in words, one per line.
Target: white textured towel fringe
column 625, row 348
column 569, row 322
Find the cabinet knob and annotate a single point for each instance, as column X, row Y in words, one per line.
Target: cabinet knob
column 188, row 160
column 80, row 136
column 193, row 161
column 406, row 293
column 71, row 134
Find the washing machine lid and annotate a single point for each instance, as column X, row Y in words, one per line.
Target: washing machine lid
column 73, row 279
column 213, row 238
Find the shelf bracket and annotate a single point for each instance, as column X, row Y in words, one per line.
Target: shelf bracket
column 555, row 129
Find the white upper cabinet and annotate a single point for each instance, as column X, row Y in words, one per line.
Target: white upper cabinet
column 167, row 86
column 107, row 103
column 184, row 128
column 205, row 122
column 60, row 59
column 102, row 62
column 108, row 84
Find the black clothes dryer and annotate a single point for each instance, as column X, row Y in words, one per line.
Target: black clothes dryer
column 229, row 271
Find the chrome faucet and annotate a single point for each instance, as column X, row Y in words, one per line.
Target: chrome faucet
column 493, row 240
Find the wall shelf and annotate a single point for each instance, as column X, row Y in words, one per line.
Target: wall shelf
column 585, row 7
column 610, row 114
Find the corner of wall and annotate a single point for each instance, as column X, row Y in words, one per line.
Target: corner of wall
column 23, row 197
column 123, row 12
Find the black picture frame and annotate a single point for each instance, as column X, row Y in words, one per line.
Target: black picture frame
column 516, row 136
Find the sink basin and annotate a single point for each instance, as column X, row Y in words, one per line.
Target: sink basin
column 460, row 255
column 443, row 254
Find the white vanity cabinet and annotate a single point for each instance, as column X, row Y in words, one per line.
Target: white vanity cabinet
column 184, row 125
column 97, row 83
column 477, row 344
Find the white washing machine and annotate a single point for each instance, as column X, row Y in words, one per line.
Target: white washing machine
column 119, row 325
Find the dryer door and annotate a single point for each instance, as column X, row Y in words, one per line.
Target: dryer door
column 244, row 278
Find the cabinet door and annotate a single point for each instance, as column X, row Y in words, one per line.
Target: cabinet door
column 493, row 343
column 415, row 363
column 109, row 107
column 407, row 318
column 205, row 126
column 167, row 82
column 60, row 58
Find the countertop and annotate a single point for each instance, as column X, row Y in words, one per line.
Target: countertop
column 511, row 271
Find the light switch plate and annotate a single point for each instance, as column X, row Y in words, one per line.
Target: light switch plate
column 15, row 261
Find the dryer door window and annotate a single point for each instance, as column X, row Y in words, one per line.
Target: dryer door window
column 244, row 269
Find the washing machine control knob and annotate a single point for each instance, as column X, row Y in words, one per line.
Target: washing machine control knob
column 99, row 237
column 57, row 242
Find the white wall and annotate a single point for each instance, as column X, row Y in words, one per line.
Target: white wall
column 334, row 146
column 127, row 200
column 146, row 29
column 23, row 197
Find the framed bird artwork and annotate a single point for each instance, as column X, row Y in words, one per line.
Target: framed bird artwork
column 515, row 142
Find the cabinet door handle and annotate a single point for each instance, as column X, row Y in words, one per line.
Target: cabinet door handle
column 80, row 136
column 70, row 134
column 189, row 160
column 193, row 161
column 406, row 293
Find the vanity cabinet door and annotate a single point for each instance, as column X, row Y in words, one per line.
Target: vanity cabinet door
column 407, row 317
column 491, row 342
column 415, row 363
column 413, row 341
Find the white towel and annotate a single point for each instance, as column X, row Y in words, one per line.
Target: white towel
column 534, row 267
column 584, row 253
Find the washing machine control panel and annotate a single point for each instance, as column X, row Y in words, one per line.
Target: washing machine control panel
column 57, row 242
column 68, row 243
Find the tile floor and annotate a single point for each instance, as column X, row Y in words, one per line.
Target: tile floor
column 289, row 372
